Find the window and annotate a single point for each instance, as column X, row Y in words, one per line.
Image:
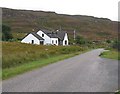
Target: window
column 32, row 41
column 42, row 35
column 52, row 42
column 65, row 42
column 56, row 41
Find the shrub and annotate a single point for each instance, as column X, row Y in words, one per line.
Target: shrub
column 116, row 45
column 6, row 33
column 108, row 41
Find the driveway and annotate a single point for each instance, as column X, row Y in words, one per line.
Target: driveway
column 83, row 73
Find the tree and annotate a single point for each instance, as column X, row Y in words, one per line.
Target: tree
column 6, row 33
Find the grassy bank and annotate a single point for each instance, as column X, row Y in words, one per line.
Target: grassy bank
column 19, row 58
column 13, row 71
column 112, row 54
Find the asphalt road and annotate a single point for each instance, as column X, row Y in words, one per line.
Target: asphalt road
column 83, row 73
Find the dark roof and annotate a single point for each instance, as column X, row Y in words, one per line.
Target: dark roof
column 37, row 36
column 46, row 31
column 57, row 34
column 61, row 34
column 50, row 33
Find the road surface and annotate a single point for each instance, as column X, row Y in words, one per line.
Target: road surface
column 83, row 73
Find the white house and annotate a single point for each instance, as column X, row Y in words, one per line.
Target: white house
column 46, row 37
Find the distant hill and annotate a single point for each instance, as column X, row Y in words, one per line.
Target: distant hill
column 24, row 21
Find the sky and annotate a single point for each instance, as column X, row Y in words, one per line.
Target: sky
column 96, row 8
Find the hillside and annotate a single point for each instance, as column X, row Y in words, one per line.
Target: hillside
column 24, row 21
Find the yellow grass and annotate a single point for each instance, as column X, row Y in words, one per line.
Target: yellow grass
column 15, row 53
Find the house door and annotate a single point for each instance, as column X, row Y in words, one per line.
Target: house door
column 41, row 42
column 59, row 42
column 65, row 42
column 32, row 41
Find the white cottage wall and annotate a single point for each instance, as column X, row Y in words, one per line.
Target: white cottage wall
column 46, row 38
column 29, row 38
column 54, row 41
column 65, row 39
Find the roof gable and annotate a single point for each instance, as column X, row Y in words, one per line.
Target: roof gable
column 57, row 34
column 37, row 36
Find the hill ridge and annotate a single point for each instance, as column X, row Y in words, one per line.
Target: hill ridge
column 23, row 21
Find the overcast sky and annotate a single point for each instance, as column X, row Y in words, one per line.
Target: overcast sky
column 97, row 8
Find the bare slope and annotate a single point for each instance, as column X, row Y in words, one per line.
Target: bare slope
column 23, row 21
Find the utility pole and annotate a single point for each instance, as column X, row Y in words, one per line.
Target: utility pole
column 74, row 35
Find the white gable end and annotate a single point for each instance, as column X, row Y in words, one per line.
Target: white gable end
column 65, row 41
column 45, row 37
column 31, row 38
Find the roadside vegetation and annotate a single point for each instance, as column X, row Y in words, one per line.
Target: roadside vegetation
column 117, row 92
column 19, row 57
column 113, row 51
column 112, row 54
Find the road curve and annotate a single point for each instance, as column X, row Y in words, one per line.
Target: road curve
column 83, row 73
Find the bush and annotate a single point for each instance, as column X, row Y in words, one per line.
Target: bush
column 116, row 45
column 108, row 41
column 6, row 33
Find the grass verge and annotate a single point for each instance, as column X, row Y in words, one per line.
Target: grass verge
column 112, row 54
column 13, row 71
